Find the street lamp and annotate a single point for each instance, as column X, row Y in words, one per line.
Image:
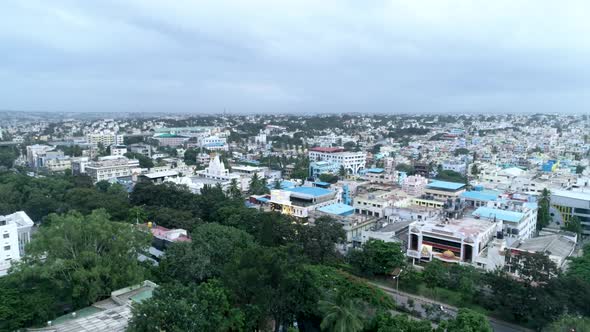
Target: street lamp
column 395, row 275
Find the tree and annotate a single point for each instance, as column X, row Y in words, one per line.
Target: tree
column 468, row 321
column 271, row 283
column 342, row 172
column 474, row 170
column 329, row 178
column 435, row 274
column 190, row 156
column 377, row 257
column 258, row 186
column 569, row 323
column 175, row 307
column 461, row 151
column 234, row 191
column 574, row 225
column 277, row 184
column 212, row 247
column 87, row 257
column 580, row 169
column 7, row 156
column 341, row 313
column 409, row 169
column 385, row 322
column 543, row 214
column 318, row 240
column 144, row 161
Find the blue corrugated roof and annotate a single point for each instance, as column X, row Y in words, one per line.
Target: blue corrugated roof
column 375, row 170
column 321, row 183
column 338, row 209
column 487, row 212
column 479, row 195
column 312, row 191
column 445, row 185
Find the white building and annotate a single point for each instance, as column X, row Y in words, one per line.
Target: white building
column 118, row 150
column 111, row 167
column 214, row 143
column 518, row 219
column 106, row 139
column 15, row 233
column 414, row 185
column 353, row 162
column 570, row 204
column 34, row 152
column 463, row 241
column 299, row 201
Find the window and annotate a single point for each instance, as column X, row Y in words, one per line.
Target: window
column 7, row 248
column 6, row 236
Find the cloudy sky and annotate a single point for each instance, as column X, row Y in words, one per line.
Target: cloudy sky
column 295, row 56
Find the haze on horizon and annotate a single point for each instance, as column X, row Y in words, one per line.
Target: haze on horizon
column 295, row 56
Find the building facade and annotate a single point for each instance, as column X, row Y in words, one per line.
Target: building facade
column 15, row 233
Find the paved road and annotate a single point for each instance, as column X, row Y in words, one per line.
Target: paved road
column 428, row 308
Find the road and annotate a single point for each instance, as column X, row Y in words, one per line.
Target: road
column 428, row 308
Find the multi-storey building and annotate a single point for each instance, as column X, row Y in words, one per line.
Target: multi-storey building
column 570, row 204
column 118, row 150
column 414, row 185
column 15, row 233
column 105, row 139
column 518, row 219
column 299, row 201
column 170, row 139
column 143, row 149
column 111, row 167
column 462, row 241
column 443, row 190
column 34, row 152
column 353, row 162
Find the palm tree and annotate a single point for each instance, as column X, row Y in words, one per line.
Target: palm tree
column 341, row 314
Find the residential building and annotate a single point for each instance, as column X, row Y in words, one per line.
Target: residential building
column 299, row 201
column 15, row 233
column 414, row 185
column 378, row 175
column 558, row 247
column 353, row 162
column 144, row 149
column 170, row 139
column 111, row 167
column 106, row 139
column 34, row 152
column 442, row 190
column 118, row 150
column 322, row 167
column 518, row 219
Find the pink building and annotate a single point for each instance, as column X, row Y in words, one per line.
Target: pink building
column 414, row 185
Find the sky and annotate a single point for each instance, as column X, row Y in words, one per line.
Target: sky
column 300, row 56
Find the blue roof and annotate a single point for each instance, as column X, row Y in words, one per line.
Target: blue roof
column 311, row 191
column 479, row 195
column 375, row 170
column 262, row 199
column 321, row 183
column 338, row 209
column 487, row 212
column 215, row 144
column 445, row 185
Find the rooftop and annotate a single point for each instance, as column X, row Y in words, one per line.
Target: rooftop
column 572, row 194
column 455, row 227
column 556, row 245
column 480, row 195
column 337, row 209
column 326, row 149
column 436, row 184
column 490, row 213
column 310, row 191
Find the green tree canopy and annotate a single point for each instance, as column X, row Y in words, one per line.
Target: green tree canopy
column 377, row 257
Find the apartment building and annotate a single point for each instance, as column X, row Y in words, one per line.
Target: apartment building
column 106, row 139
column 118, row 150
column 353, row 162
column 518, row 219
column 35, row 151
column 15, row 233
column 299, row 201
column 111, row 167
column 414, row 185
column 442, row 190
column 570, row 204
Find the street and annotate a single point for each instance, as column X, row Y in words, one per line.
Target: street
column 427, row 308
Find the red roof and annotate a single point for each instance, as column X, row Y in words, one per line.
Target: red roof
column 326, row 149
column 163, row 233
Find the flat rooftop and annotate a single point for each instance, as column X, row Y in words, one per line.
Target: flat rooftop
column 480, row 195
column 490, row 213
column 455, row 227
column 445, row 185
column 337, row 209
column 310, row 191
column 584, row 196
column 556, row 245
